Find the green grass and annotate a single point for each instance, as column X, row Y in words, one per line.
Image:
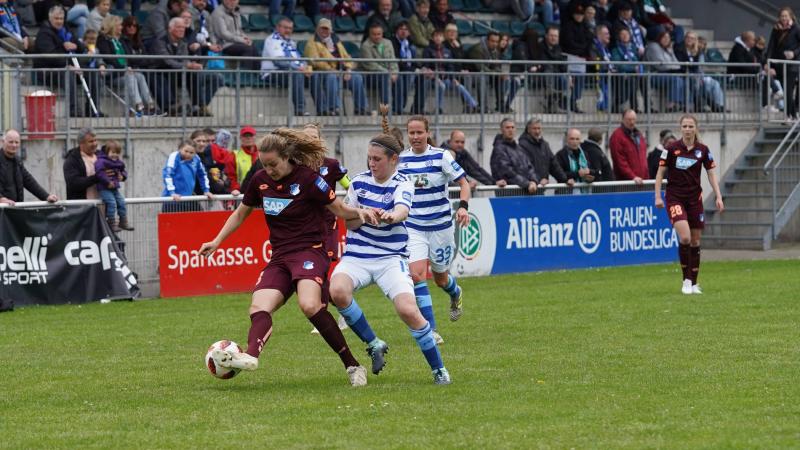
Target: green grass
column 612, row 358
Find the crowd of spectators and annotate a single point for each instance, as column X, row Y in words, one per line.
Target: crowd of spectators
column 583, row 41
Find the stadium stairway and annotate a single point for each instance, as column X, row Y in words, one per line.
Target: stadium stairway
column 747, row 190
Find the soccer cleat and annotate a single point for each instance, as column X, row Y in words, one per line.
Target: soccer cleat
column 357, row 375
column 314, row 330
column 342, row 323
column 696, row 289
column 437, row 337
column 687, row 287
column 441, row 376
column 376, row 352
column 234, row 360
column 456, row 309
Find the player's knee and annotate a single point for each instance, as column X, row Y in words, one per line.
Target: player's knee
column 684, row 240
column 309, row 309
column 340, row 295
column 417, row 276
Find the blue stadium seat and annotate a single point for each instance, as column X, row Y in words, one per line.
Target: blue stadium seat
column 352, row 48
column 538, row 27
column 259, row 45
column 517, row 28
column 501, row 26
column 302, row 24
column 344, row 24
column 301, row 45
column 464, row 27
column 361, row 23
column 260, row 22
column 245, row 23
column 276, row 19
column 472, row 6
column 456, row 5
column 120, row 13
column 714, row 55
column 480, row 28
column 251, row 2
column 141, row 17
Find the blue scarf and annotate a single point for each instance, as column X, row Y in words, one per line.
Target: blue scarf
column 9, row 21
column 629, row 54
column 604, row 54
column 580, row 163
column 65, row 35
column 636, row 32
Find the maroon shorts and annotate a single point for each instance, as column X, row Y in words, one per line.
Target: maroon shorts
column 332, row 244
column 690, row 210
column 283, row 272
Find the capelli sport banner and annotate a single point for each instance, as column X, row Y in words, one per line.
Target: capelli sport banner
column 58, row 254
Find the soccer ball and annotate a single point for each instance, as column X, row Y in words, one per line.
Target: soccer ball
column 215, row 370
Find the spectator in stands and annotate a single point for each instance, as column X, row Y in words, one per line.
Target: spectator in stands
column 462, row 156
column 201, row 23
column 442, row 73
column 201, row 84
column 744, row 52
column 504, row 47
column 590, row 18
column 624, row 88
column 14, row 177
column 285, row 64
column 54, row 38
column 558, row 83
column 110, row 170
column 223, row 158
column 628, row 147
column 386, row 73
column 96, row 16
column 406, row 53
column 576, row 43
column 583, row 164
column 594, row 144
column 133, row 41
column 504, row 87
column 381, row 16
column 11, row 23
column 509, row 162
column 75, row 14
column 79, row 173
column 528, row 49
column 157, row 24
column 665, row 139
column 325, row 80
column 226, row 30
column 600, row 52
column 523, row 9
column 136, row 5
column 626, row 21
column 601, row 8
column 420, row 26
column 136, row 91
column 246, row 155
column 541, row 156
column 181, row 173
column 668, row 69
column 217, row 180
column 288, row 8
column 705, row 91
column 440, row 15
column 784, row 44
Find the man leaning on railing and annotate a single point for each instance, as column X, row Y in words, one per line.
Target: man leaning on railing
column 14, row 177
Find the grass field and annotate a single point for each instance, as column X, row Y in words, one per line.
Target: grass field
column 613, row 358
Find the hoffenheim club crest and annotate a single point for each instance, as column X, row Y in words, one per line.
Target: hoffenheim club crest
column 308, row 265
column 698, row 154
column 323, row 171
column 294, row 189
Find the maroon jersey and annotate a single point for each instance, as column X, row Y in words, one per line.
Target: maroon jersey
column 293, row 207
column 332, row 171
column 685, row 166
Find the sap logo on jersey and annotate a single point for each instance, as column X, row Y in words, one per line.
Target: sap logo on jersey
column 684, row 163
column 25, row 264
column 274, row 206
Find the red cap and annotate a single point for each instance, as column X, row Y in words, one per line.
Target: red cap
column 247, row 130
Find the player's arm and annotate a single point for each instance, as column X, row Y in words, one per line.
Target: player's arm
column 659, row 180
column 233, row 222
column 396, row 215
column 339, row 209
column 462, row 217
column 712, row 178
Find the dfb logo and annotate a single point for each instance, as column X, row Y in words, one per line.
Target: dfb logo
column 589, row 231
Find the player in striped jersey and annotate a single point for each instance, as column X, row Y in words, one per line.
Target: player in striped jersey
column 430, row 223
column 378, row 253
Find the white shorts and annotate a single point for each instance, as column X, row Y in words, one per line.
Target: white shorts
column 390, row 273
column 438, row 246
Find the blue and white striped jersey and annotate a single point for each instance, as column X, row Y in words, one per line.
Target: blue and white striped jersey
column 378, row 241
column 431, row 171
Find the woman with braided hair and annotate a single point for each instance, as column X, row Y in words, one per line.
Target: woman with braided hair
column 293, row 197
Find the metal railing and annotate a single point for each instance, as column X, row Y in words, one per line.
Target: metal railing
column 581, row 94
column 783, row 169
column 141, row 245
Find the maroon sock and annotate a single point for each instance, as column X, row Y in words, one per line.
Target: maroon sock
column 324, row 322
column 684, row 254
column 260, row 331
column 695, row 264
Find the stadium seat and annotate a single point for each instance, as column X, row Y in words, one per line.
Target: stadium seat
column 141, row 17
column 245, row 23
column 472, row 6
column 538, row 27
column 517, row 28
column 456, row 5
column 480, row 28
column 251, row 2
column 276, row 19
column 301, row 45
column 352, row 48
column 344, row 24
column 315, row 19
column 260, row 22
column 259, row 45
column 714, row 55
column 501, row 26
column 302, row 24
column 361, row 23
column 464, row 27
column 120, row 13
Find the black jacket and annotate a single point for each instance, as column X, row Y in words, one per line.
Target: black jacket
column 576, row 38
column 75, row 175
column 106, row 47
column 540, row 154
column 741, row 54
column 470, row 166
column 782, row 40
column 599, row 166
column 405, row 65
column 653, row 159
column 48, row 42
column 14, row 188
column 510, row 163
